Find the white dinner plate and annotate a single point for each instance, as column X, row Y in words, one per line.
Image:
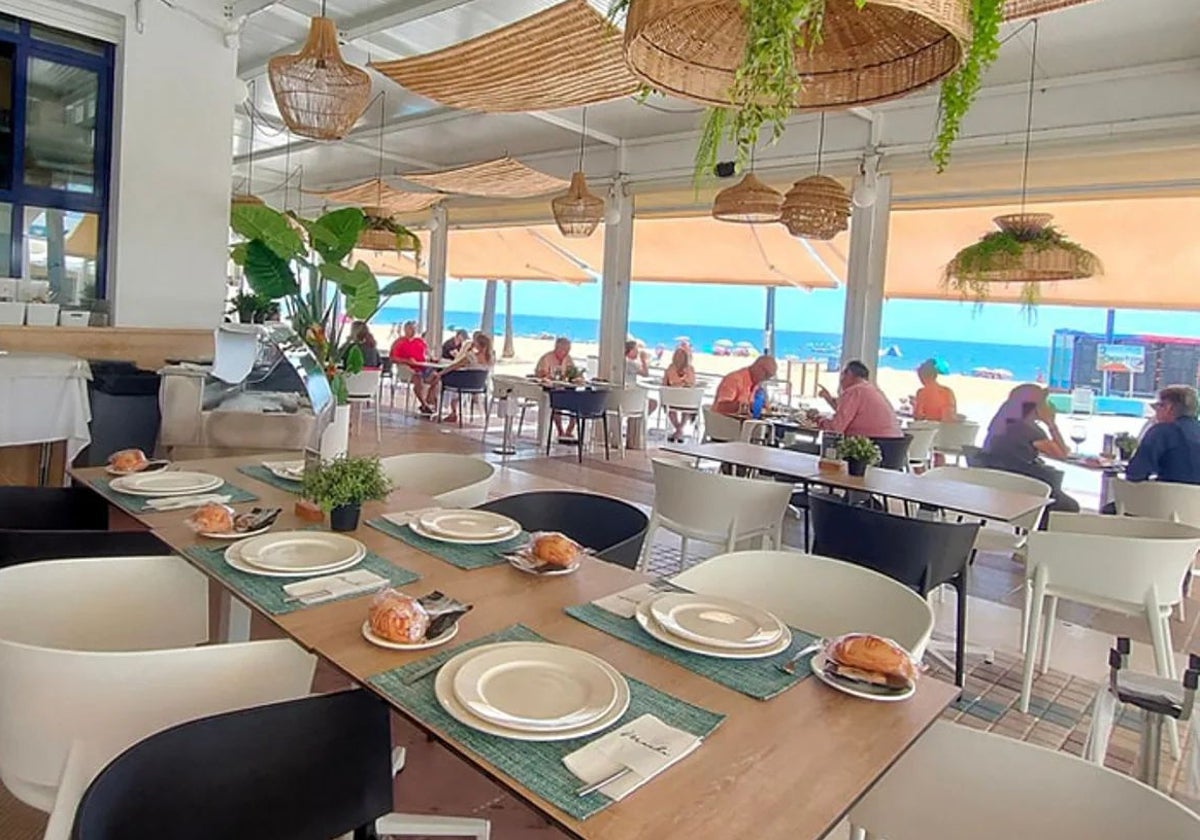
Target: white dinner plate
column 713, row 620
column 648, row 623
column 431, row 535
column 473, row 525
column 855, row 689
column 524, row 563
column 446, row 636
column 167, row 483
column 287, row 470
column 536, row 686
column 237, row 535
column 301, row 551
column 444, row 691
column 233, row 557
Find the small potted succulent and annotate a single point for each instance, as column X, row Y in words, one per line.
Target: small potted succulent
column 339, row 487
column 1126, row 445
column 859, row 453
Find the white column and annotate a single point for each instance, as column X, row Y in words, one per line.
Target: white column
column 614, row 294
column 438, row 239
column 864, row 276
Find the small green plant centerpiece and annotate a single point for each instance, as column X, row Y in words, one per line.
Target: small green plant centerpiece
column 339, row 487
column 1126, row 445
column 573, row 374
column 251, row 307
column 859, row 453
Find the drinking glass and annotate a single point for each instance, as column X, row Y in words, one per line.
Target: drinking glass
column 1079, row 434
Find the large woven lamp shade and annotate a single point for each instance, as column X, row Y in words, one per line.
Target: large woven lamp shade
column 817, row 207
column 692, row 49
column 378, row 236
column 1041, row 259
column 319, row 95
column 578, row 212
column 749, row 202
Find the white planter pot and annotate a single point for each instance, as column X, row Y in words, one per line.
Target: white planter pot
column 74, row 319
column 12, row 313
column 41, row 314
column 335, row 440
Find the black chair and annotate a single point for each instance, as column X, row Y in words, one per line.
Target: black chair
column 580, row 406
column 894, row 452
column 23, row 546
column 610, row 527
column 52, row 509
column 469, row 381
column 919, row 553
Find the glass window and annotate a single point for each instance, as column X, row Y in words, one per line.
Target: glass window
column 60, row 126
column 61, row 246
column 66, row 39
column 6, row 265
column 7, row 52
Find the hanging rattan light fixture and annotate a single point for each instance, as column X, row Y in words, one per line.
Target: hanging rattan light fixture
column 381, row 232
column 319, row 95
column 1026, row 249
column 816, row 207
column 578, row 212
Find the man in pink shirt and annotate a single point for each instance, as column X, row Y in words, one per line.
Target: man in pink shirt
column 860, row 407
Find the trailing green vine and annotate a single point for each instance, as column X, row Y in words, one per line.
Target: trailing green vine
column 960, row 87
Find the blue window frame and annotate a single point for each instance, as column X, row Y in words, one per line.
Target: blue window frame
column 20, row 39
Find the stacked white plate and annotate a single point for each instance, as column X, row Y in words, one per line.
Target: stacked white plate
column 713, row 626
column 287, row 470
column 532, row 691
column 167, row 483
column 465, row 527
column 295, row 554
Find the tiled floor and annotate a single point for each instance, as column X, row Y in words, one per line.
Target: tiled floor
column 437, row 781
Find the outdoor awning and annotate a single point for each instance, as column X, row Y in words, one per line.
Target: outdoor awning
column 1149, row 247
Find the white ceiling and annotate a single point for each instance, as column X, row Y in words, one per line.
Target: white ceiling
column 1111, row 73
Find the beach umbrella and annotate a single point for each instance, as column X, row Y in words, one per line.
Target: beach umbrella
column 722, row 342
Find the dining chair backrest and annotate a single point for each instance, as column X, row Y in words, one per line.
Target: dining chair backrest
column 581, row 403
column 20, row 546
column 952, row 437
column 994, row 787
column 363, row 384
column 592, row 366
column 920, row 442
column 452, row 480
column 919, row 553
column 720, row 427
column 1083, row 401
column 307, row 769
column 52, row 508
column 630, row 400
column 1158, row 500
column 402, row 372
column 1126, row 559
column 893, row 451
column 683, row 399
column 466, row 380
column 821, row 595
column 703, row 502
column 997, row 480
column 612, row 528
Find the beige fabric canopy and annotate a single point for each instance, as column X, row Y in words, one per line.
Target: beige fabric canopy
column 1149, row 248
column 377, row 193
column 502, row 177
column 564, row 56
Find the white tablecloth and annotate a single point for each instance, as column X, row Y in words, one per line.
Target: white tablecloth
column 43, row 398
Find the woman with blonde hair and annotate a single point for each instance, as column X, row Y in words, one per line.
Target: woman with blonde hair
column 477, row 355
column 679, row 374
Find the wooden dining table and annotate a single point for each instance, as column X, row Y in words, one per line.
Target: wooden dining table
column 788, row 768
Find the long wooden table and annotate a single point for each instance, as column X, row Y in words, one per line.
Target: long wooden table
column 958, row 496
column 786, row 769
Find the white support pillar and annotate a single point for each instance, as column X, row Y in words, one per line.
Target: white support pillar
column 438, row 240
column 614, row 293
column 864, row 276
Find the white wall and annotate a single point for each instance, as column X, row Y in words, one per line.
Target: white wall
column 169, row 201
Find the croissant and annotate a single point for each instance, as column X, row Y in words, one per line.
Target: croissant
column 128, row 460
column 872, row 655
column 211, row 519
column 397, row 617
column 555, row 550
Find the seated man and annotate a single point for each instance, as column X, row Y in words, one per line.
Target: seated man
column 1170, row 449
column 735, row 393
column 860, row 407
column 558, row 365
column 637, row 363
column 408, row 349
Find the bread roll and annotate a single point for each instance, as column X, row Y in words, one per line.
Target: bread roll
column 869, row 654
column 211, row 519
column 554, row 550
column 397, row 617
column 128, row 460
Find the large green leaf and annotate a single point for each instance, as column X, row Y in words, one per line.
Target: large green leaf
column 267, row 274
column 272, row 228
column 335, row 234
column 354, row 361
column 238, row 253
column 404, row 285
column 359, row 287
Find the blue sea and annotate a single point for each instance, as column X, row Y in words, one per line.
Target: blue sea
column 901, row 352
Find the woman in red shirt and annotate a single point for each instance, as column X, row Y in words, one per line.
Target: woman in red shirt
column 410, row 348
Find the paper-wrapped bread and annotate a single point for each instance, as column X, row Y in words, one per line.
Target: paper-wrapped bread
column 553, row 549
column 211, row 519
column 872, row 659
column 128, row 460
column 397, row 617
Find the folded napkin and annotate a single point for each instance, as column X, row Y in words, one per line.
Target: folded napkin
column 181, row 502
column 321, row 589
column 404, row 517
column 625, row 602
column 644, row 747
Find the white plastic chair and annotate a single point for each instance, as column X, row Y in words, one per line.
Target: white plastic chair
column 684, row 401
column 721, row 428
column 363, row 391
column 629, row 403
column 818, row 594
column 953, row 437
column 991, row 787
column 98, row 653
column 402, row 376
column 713, row 508
column 1083, row 401
column 455, row 481
column 1159, row 500
column 920, row 445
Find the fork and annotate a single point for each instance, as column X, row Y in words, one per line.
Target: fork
column 789, row 667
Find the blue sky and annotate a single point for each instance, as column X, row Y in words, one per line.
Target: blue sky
column 819, row 311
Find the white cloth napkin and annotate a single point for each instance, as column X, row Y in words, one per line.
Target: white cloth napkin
column 180, row 502
column 401, row 518
column 624, row 603
column 318, row 590
column 645, row 747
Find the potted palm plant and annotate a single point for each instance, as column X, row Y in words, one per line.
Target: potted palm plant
column 859, row 453
column 339, row 487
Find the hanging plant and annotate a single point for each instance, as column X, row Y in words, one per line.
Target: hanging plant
column 960, row 87
column 394, row 235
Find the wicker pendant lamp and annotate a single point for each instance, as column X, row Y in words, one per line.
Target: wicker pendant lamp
column 816, row 207
column 381, row 232
column 888, row 48
column 578, row 212
column 1026, row 249
column 319, row 95
column 748, row 202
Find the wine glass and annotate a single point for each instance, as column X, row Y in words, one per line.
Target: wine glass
column 1079, row 434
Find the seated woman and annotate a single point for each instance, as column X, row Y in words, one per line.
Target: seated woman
column 679, row 374
column 474, row 356
column 933, row 401
column 1016, row 443
column 360, row 337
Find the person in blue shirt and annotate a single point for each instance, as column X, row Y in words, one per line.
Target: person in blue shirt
column 1170, row 449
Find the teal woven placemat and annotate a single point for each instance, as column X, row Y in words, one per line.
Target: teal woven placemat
column 463, row 556
column 259, row 473
column 536, row 765
column 757, row 678
column 267, row 592
column 137, row 504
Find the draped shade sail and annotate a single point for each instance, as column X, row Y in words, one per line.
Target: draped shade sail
column 377, row 193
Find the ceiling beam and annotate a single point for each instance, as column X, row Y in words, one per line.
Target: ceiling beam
column 575, row 127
